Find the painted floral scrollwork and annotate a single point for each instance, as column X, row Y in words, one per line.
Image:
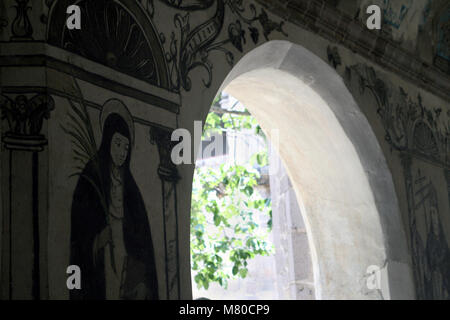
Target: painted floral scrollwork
column 190, row 48
column 190, row 5
column 409, row 125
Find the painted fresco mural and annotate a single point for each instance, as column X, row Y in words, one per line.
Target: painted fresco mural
column 87, row 145
column 110, row 236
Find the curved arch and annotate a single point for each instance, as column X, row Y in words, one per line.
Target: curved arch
column 135, row 50
column 337, row 168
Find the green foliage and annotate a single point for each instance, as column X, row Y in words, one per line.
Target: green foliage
column 225, row 203
column 216, row 123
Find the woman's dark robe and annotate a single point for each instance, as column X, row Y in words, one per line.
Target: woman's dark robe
column 88, row 220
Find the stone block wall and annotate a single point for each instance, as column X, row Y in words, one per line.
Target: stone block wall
column 292, row 256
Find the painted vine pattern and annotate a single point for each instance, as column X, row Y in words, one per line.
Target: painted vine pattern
column 189, row 48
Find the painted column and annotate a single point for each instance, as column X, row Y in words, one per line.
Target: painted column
column 21, row 242
column 168, row 174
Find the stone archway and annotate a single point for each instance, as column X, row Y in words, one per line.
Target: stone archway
column 336, row 166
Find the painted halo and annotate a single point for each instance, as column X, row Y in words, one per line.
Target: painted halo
column 116, row 106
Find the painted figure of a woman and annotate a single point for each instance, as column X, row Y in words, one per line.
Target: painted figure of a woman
column 110, row 234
